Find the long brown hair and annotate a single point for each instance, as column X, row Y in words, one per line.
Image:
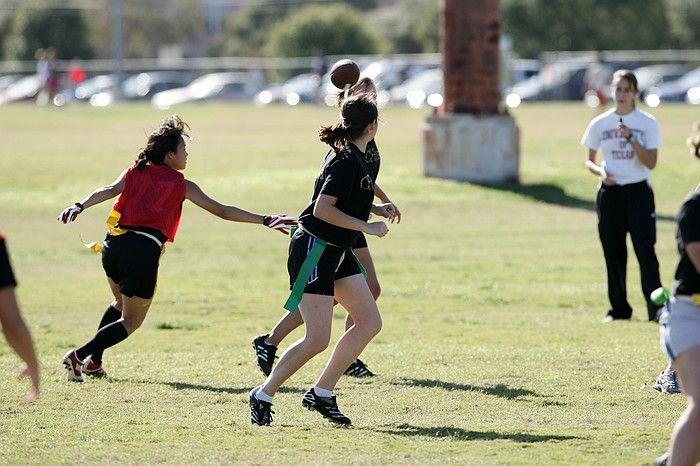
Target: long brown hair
column 161, row 141
column 356, row 112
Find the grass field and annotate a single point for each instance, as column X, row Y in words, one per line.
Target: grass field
column 492, row 352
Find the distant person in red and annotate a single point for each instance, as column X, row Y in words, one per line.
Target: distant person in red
column 76, row 73
column 151, row 194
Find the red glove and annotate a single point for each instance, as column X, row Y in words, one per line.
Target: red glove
column 281, row 223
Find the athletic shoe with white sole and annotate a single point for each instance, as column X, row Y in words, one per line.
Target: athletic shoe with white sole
column 93, row 369
column 74, row 366
column 358, row 369
column 667, row 382
column 265, row 353
column 326, row 406
column 260, row 411
column 661, row 460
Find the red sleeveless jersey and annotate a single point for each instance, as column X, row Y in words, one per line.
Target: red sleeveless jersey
column 152, row 198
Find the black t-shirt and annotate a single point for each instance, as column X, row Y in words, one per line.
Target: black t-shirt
column 687, row 278
column 349, row 175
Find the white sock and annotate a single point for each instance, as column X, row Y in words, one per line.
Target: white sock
column 262, row 396
column 322, row 392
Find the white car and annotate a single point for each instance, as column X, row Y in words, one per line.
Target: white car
column 215, row 86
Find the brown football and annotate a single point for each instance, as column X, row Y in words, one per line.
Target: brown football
column 345, row 73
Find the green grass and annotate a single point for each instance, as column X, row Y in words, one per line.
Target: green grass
column 492, row 350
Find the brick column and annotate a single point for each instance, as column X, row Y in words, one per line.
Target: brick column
column 471, row 30
column 469, row 138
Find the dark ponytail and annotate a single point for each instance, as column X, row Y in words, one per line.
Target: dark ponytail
column 356, row 112
column 161, row 141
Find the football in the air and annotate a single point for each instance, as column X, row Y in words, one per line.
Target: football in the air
column 345, row 73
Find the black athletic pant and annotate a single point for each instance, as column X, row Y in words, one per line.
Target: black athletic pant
column 621, row 210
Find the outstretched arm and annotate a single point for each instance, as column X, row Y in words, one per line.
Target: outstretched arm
column 19, row 338
column 227, row 212
column 195, row 194
column 99, row 195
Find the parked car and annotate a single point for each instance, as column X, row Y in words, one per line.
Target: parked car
column 673, row 91
column 87, row 89
column 300, row 88
column 517, row 70
column 654, row 75
column 8, row 79
column 145, row 85
column 556, row 81
column 416, row 91
column 22, row 89
column 693, row 96
column 215, row 86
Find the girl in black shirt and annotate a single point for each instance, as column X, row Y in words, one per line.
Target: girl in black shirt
column 321, row 265
column 680, row 329
column 265, row 345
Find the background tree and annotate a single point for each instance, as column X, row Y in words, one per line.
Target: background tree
column 410, row 26
column 332, row 29
column 42, row 24
column 541, row 25
column 245, row 32
column 149, row 25
column 684, row 17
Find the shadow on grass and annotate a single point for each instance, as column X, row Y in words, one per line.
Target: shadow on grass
column 206, row 388
column 499, row 390
column 407, row 430
column 554, row 194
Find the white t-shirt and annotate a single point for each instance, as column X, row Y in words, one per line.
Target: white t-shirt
column 619, row 160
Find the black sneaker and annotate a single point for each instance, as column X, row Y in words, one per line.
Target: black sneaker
column 358, row 369
column 265, row 353
column 260, row 411
column 326, row 406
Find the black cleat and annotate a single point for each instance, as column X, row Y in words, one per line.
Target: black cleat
column 260, row 411
column 265, row 353
column 326, row 406
column 358, row 369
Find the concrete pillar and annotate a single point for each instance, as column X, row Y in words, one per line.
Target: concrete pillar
column 470, row 137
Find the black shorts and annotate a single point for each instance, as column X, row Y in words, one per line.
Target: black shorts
column 334, row 264
column 360, row 242
column 131, row 261
column 7, row 278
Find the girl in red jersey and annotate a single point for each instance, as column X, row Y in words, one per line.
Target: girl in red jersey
column 151, row 194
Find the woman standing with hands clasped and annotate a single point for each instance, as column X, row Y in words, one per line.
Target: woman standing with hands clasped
column 629, row 140
column 151, row 193
column 321, row 264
